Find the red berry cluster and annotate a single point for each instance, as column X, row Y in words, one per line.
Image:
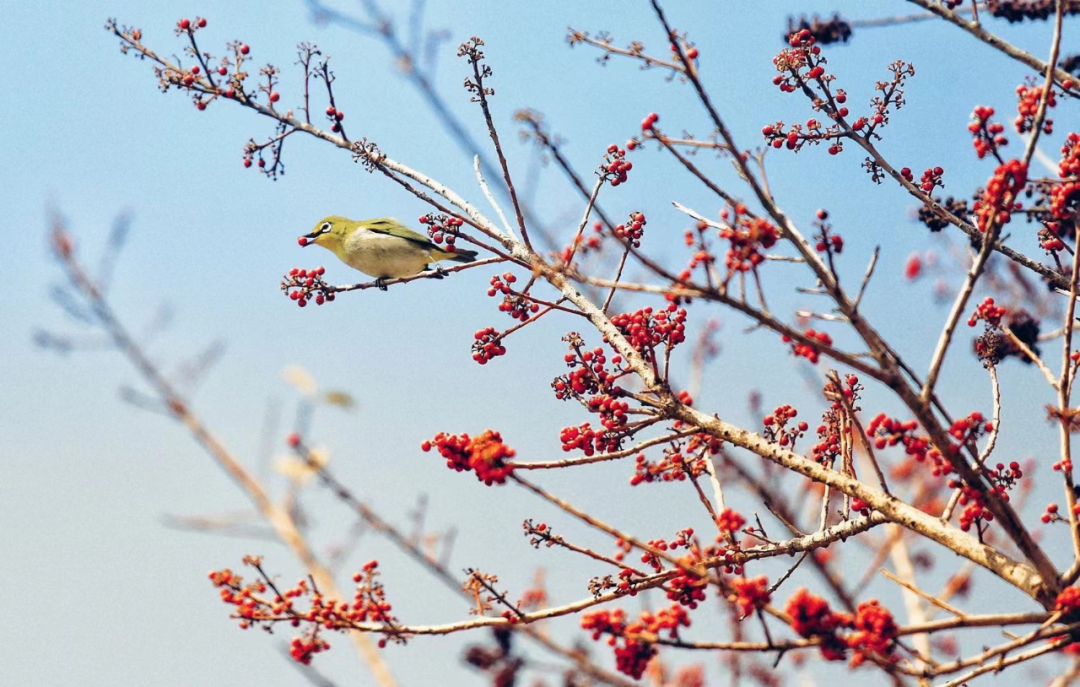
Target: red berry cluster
column 1001, row 479
column 633, row 655
column 652, row 559
column 931, row 179
column 687, row 588
column 675, row 466
column 646, row 329
column 776, row 427
column 705, row 443
column 1030, row 95
column 886, row 431
column 974, row 502
column 748, row 237
column 253, row 608
column 833, row 243
column 1051, row 514
column 1065, row 197
column 189, row 27
column 442, row 228
column 799, row 63
column 832, row 426
column 588, row 440
column 616, row 166
column 590, row 374
column 811, row 617
column 997, row 201
column 988, row 136
column 989, row 312
column 487, row 344
column 827, row 242
column 1068, row 601
column 906, row 173
column 302, row 285
column 798, row 135
column 859, row 506
column 669, row 619
column 807, row 350
column 1005, row 477
column 612, row 411
column 303, row 649
column 632, row 650
column 750, row 594
column 970, row 428
column 647, row 124
column 517, row 305
column 632, row 231
column 875, row 633
column 335, row 116
column 730, row 522
column 684, row 539
column 486, row 455
column 1049, row 235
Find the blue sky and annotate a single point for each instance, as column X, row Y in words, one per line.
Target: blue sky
column 101, row 592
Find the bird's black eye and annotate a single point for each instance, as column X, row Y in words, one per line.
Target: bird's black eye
column 325, row 227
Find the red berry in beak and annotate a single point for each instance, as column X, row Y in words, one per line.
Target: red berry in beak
column 302, row 240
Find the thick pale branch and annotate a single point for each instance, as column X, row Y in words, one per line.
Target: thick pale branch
column 1018, row 574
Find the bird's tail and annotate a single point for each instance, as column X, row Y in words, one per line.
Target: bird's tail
column 460, row 255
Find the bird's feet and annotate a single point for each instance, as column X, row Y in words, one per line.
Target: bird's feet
column 440, row 271
column 381, row 283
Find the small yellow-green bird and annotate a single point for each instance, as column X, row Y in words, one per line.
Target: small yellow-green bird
column 383, row 248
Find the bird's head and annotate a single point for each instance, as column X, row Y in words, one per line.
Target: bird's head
column 330, row 233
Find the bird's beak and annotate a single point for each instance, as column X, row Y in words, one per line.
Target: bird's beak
column 307, row 239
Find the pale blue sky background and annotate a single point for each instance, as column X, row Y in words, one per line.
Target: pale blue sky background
column 99, row 592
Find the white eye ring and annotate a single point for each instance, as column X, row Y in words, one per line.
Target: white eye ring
column 325, row 227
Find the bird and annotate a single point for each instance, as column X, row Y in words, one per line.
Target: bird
column 383, row 248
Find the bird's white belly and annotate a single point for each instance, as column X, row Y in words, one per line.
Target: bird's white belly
column 382, row 256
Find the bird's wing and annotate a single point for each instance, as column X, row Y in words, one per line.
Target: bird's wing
column 392, row 227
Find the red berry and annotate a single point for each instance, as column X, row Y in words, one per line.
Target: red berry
column 293, row 439
column 244, row 49
column 184, row 24
column 247, row 161
column 202, row 23
column 303, row 239
column 222, row 70
column 274, row 97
